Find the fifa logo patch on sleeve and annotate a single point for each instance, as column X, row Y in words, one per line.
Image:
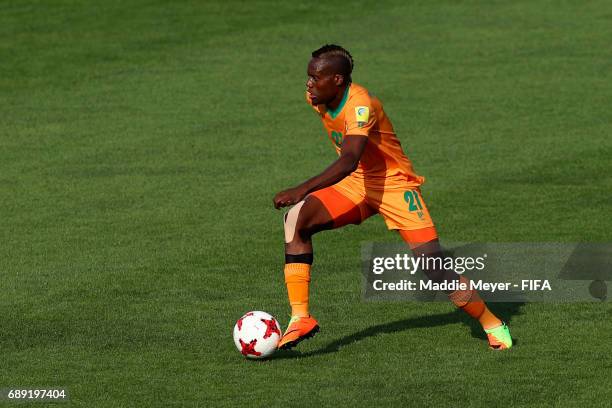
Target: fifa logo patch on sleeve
column 362, row 115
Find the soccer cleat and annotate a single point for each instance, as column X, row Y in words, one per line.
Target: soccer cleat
column 299, row 328
column 499, row 337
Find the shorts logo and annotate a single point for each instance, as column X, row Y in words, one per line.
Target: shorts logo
column 362, row 115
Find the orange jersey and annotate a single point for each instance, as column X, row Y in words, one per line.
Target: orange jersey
column 383, row 161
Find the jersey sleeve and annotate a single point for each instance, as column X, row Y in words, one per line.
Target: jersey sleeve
column 360, row 117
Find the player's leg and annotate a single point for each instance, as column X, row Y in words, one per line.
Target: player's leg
column 405, row 210
column 322, row 210
column 424, row 243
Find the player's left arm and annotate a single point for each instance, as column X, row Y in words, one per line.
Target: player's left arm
column 350, row 154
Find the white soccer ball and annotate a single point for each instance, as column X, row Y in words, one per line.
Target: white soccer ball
column 256, row 334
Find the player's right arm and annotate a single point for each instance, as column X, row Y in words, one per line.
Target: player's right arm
column 345, row 164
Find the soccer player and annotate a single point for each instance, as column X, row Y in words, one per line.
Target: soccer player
column 371, row 175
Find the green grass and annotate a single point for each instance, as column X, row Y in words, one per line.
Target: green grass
column 141, row 144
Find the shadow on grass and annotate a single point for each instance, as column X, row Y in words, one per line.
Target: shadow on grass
column 504, row 311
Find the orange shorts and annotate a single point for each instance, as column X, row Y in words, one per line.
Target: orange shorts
column 352, row 200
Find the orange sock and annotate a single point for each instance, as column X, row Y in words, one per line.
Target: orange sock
column 471, row 303
column 297, row 279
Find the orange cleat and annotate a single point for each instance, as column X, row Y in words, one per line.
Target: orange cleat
column 299, row 328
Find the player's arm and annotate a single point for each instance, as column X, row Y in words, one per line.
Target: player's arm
column 352, row 149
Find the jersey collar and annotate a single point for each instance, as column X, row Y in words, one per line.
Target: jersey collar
column 334, row 112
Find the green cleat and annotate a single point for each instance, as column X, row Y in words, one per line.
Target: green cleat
column 499, row 337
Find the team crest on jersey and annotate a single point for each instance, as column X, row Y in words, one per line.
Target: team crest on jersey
column 362, row 114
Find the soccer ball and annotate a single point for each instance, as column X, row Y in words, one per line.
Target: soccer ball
column 256, row 335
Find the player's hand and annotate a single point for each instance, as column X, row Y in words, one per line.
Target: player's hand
column 288, row 197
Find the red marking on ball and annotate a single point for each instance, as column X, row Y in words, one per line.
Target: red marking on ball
column 239, row 322
column 249, row 348
column 271, row 328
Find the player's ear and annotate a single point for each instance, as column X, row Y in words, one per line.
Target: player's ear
column 339, row 79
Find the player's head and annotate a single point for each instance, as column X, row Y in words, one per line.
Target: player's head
column 329, row 71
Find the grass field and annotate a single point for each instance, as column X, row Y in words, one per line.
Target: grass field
column 141, row 143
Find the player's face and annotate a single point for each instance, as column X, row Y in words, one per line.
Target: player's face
column 323, row 84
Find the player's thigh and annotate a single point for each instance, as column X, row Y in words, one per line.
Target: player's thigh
column 344, row 207
column 422, row 241
column 324, row 209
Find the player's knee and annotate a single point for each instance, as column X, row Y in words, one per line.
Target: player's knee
column 291, row 221
column 298, row 224
column 436, row 275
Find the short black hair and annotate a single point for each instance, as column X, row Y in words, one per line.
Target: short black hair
column 342, row 59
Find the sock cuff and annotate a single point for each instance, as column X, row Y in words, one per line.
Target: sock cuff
column 297, row 272
column 461, row 297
